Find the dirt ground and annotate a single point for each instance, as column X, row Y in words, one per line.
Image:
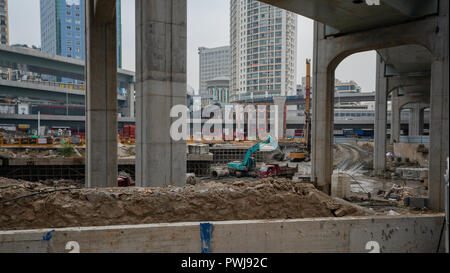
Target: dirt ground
column 353, row 157
column 123, row 151
column 68, row 206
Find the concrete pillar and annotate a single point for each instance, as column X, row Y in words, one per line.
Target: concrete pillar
column 379, row 164
column 421, row 121
column 439, row 126
column 160, row 85
column 101, row 95
column 323, row 113
column 439, row 108
column 395, row 117
column 414, row 120
column 131, row 99
column 280, row 102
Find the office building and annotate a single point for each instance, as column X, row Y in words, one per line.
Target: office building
column 63, row 28
column 263, row 43
column 213, row 63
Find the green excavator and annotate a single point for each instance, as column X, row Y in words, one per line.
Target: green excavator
column 248, row 166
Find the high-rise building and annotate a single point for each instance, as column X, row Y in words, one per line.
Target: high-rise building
column 4, row 33
column 263, row 41
column 214, row 63
column 63, row 28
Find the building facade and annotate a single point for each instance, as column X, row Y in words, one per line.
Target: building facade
column 4, row 34
column 219, row 89
column 346, row 87
column 63, row 28
column 213, row 63
column 263, row 42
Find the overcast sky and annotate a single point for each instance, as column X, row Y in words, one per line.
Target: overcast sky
column 208, row 26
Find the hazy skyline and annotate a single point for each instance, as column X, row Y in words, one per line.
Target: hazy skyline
column 207, row 26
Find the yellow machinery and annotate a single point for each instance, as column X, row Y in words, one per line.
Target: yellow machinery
column 304, row 148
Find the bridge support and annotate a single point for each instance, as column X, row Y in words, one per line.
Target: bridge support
column 416, row 120
column 439, row 108
column 160, row 85
column 131, row 99
column 379, row 164
column 323, row 112
column 101, row 95
column 280, row 102
column 431, row 33
column 395, row 117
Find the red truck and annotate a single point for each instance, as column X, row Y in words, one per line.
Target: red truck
column 276, row 170
column 128, row 131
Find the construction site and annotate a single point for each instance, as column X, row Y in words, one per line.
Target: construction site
column 127, row 184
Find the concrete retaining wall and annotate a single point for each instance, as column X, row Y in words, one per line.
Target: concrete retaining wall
column 409, row 150
column 389, row 233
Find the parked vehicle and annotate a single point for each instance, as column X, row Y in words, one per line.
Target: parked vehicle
column 275, row 170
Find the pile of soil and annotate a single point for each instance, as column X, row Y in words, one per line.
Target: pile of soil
column 213, row 201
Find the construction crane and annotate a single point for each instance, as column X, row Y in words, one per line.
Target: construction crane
column 304, row 150
column 248, row 166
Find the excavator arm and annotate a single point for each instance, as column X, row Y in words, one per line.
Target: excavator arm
column 256, row 148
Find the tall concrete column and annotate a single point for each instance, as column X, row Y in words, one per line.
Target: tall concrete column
column 131, row 99
column 101, row 95
column 439, row 125
column 280, row 102
column 323, row 113
column 395, row 117
column 421, row 121
column 439, row 109
column 414, row 120
column 379, row 163
column 160, row 85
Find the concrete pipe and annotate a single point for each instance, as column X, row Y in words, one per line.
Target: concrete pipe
column 217, row 173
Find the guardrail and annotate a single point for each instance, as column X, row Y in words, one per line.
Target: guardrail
column 415, row 139
column 40, row 141
column 57, row 84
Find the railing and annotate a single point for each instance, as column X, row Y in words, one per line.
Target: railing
column 57, row 84
column 415, row 139
column 40, row 141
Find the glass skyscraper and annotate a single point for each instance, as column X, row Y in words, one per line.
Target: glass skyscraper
column 63, row 28
column 214, row 62
column 263, row 41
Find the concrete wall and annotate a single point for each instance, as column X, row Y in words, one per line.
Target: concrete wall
column 412, row 233
column 410, row 151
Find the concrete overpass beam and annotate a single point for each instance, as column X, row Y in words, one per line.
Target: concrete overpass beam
column 160, row 85
column 380, row 118
column 101, row 95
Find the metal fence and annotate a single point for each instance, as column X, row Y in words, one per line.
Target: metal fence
column 415, row 139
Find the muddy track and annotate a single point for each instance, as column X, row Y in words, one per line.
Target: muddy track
column 350, row 157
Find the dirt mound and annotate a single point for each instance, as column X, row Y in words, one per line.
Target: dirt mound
column 57, row 206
